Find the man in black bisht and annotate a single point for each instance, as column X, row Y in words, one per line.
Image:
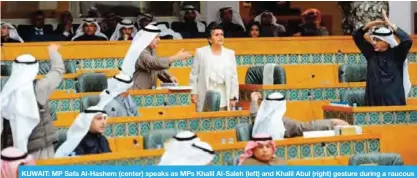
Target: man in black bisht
column 387, row 81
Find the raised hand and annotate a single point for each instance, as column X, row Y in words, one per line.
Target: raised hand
column 371, row 24
column 255, row 96
column 388, row 21
column 183, row 55
column 54, row 47
column 194, row 98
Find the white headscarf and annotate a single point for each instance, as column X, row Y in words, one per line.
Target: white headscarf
column 197, row 154
column 178, row 144
column 386, row 35
column 166, row 31
column 269, row 117
column 78, row 130
column 268, row 74
column 141, row 16
column 19, row 104
column 80, row 31
column 126, row 23
column 12, row 31
column 274, row 19
column 236, row 17
column 142, row 40
column 200, row 26
column 115, row 86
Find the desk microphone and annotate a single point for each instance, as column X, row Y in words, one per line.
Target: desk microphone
column 113, row 112
column 308, row 78
column 324, row 146
column 310, row 98
column 235, row 106
column 135, row 143
column 349, row 86
column 161, row 113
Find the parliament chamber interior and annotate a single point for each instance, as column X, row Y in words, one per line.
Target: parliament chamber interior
column 321, row 77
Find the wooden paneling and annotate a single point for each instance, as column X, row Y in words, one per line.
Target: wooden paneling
column 400, row 139
column 247, row 46
column 217, row 148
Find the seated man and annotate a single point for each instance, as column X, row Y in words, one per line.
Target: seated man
column 9, row 34
column 143, row 20
column 176, row 145
column 64, row 27
column 269, row 25
column 125, row 30
column 190, row 22
column 11, row 159
column 122, row 105
column 231, row 22
column 167, row 33
column 109, row 23
column 270, row 119
column 38, row 31
column 85, row 136
column 115, row 100
column 198, row 153
column 89, row 30
column 311, row 25
column 260, row 150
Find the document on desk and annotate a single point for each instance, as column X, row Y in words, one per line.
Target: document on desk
column 177, row 88
column 315, row 134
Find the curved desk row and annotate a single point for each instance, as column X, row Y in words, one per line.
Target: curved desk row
column 380, row 115
column 289, row 149
column 70, row 102
column 396, row 124
column 324, row 74
column 339, row 45
column 193, row 121
column 67, row 102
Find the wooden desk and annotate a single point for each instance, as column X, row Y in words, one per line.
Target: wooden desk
column 309, row 98
column 294, row 92
column 126, row 143
column 70, row 102
column 324, row 73
column 259, row 46
column 396, row 124
column 399, row 139
column 381, row 115
column 194, row 121
column 293, row 150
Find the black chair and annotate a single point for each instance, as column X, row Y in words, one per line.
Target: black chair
column 352, row 73
column 384, row 159
column 254, row 75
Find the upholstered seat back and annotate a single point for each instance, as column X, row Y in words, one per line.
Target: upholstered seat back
column 354, row 96
column 383, row 159
column 212, row 101
column 70, row 67
column 88, row 101
column 352, row 73
column 243, row 132
column 157, row 138
column 91, row 82
column 254, row 75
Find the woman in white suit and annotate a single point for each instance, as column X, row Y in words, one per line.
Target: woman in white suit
column 214, row 69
